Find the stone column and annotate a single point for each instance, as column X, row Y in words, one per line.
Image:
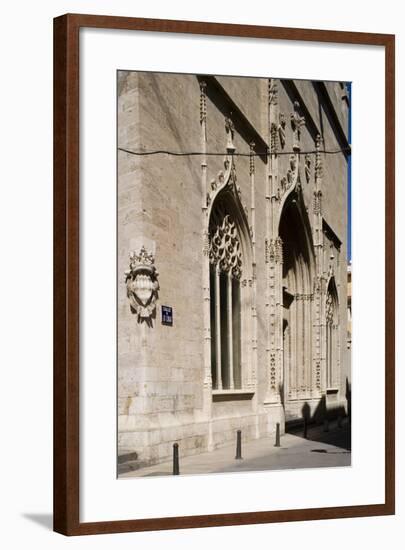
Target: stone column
column 230, row 333
column 207, row 381
column 253, row 377
column 218, row 326
column 319, row 360
column 274, row 265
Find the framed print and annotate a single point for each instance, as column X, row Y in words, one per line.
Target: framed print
column 223, row 274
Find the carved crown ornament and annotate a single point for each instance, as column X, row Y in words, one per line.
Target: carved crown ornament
column 142, row 284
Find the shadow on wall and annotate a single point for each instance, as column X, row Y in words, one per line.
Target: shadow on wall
column 328, row 424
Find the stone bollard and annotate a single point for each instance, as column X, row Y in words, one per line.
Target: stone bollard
column 305, row 428
column 277, row 443
column 326, row 425
column 176, row 468
column 238, row 445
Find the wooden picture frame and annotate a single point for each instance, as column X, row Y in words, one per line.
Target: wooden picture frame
column 66, row 273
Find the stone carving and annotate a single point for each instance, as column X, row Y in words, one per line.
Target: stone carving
column 308, row 169
column 230, row 132
column 225, row 248
column 206, row 243
column 317, row 202
column 329, row 309
column 317, row 285
column 278, row 250
column 269, row 251
column 318, row 376
column 273, row 371
column 291, row 172
column 273, row 92
column 318, row 159
column 252, row 158
column 304, row 297
column 285, row 184
column 142, row 284
column 281, row 130
column 273, row 138
column 203, row 102
column 229, row 178
column 297, row 121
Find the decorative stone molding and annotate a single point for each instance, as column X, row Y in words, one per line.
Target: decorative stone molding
column 206, row 243
column 269, row 250
column 318, row 376
column 281, row 129
column 273, row 92
column 278, row 250
column 304, row 297
column 273, row 372
column 292, row 171
column 317, row 285
column 252, row 158
column 329, row 309
column 308, row 169
column 297, row 121
column 203, row 102
column 227, row 179
column 230, row 132
column 318, row 159
column 225, row 248
column 273, row 138
column 142, row 284
column 317, row 202
column 331, row 272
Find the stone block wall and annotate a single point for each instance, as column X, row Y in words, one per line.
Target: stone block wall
column 161, row 395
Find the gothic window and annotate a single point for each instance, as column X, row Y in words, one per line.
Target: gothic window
column 225, row 256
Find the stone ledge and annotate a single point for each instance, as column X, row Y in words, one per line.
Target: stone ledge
column 232, row 395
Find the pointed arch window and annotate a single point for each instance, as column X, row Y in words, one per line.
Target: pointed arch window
column 226, row 261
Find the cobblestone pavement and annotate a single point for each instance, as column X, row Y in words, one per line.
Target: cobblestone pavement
column 321, row 450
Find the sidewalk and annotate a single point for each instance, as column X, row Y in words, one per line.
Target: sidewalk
column 320, row 450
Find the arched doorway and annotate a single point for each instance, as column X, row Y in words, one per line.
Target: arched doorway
column 297, row 277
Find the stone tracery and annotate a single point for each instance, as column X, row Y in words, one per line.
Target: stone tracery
column 225, row 249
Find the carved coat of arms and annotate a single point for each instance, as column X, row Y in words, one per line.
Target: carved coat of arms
column 142, row 283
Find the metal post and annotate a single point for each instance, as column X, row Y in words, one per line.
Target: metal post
column 176, row 468
column 339, row 421
column 277, row 443
column 238, row 445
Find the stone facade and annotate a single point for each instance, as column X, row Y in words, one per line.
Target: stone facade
column 246, row 245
